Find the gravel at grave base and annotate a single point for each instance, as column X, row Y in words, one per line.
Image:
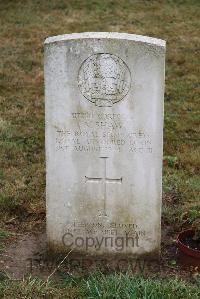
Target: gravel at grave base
column 26, row 254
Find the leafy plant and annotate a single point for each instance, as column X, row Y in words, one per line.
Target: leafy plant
column 170, row 161
column 197, row 229
column 194, row 219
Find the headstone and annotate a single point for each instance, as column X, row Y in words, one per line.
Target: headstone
column 104, row 126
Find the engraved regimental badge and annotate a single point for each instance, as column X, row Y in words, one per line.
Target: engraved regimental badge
column 104, row 79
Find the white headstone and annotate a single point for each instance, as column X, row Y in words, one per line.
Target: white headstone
column 104, row 124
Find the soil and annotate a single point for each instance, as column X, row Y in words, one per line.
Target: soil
column 26, row 254
column 192, row 243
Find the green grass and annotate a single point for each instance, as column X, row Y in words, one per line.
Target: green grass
column 23, row 30
column 3, row 236
column 113, row 286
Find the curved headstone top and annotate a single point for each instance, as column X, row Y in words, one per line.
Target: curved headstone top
column 107, row 35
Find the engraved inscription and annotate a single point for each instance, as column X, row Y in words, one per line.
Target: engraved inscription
column 99, row 235
column 106, row 228
column 104, row 79
column 100, row 132
column 103, row 180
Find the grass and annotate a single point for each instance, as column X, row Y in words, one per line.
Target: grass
column 26, row 24
column 24, row 27
column 113, row 286
column 3, row 236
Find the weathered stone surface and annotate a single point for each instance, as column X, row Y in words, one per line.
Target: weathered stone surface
column 104, row 123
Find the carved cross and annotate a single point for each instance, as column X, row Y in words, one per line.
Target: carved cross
column 103, row 180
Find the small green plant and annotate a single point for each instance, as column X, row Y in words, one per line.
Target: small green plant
column 3, row 235
column 194, row 219
column 170, row 161
column 196, row 225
